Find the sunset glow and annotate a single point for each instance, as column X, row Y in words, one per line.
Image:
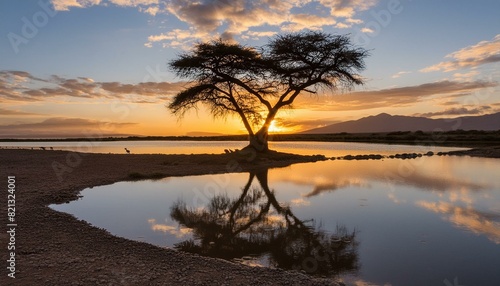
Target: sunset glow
column 275, row 129
column 72, row 68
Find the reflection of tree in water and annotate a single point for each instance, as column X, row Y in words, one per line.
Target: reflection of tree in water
column 256, row 224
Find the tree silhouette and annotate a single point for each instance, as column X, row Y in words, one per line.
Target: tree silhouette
column 255, row 223
column 255, row 83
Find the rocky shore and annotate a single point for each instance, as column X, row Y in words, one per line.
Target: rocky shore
column 485, row 152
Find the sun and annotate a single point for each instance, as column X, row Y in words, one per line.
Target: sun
column 273, row 128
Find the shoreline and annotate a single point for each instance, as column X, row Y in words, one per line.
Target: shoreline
column 54, row 248
column 457, row 138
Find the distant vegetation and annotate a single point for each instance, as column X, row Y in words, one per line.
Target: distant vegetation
column 463, row 138
column 471, row 138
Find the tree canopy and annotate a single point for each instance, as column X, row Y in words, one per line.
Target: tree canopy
column 254, row 83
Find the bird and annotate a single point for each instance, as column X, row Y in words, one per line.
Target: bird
column 51, row 148
column 43, row 148
column 127, row 150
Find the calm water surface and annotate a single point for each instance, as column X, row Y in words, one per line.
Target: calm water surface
column 217, row 147
column 428, row 221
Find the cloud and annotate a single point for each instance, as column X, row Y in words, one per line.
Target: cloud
column 349, row 22
column 458, row 111
column 9, row 112
column 367, row 30
column 18, row 86
column 398, row 96
column 484, row 52
column 224, row 18
column 466, row 76
column 150, row 10
column 347, row 8
column 65, row 5
column 307, row 21
column 12, row 84
column 22, row 86
column 177, row 38
column 61, row 127
column 133, row 3
column 227, row 19
column 256, row 35
column 399, row 74
column 295, row 124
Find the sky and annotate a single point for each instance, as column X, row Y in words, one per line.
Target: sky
column 89, row 68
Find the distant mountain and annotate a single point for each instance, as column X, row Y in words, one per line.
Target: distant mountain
column 390, row 123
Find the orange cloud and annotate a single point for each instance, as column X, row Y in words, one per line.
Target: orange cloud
column 399, row 74
column 482, row 53
column 65, row 5
column 227, row 19
column 22, row 86
column 307, row 21
column 398, row 96
column 256, row 35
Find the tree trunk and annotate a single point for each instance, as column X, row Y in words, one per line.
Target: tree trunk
column 258, row 141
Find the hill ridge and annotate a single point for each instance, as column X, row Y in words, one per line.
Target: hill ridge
column 385, row 122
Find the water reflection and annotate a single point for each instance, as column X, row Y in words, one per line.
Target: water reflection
column 467, row 208
column 478, row 222
column 178, row 232
column 256, row 224
column 426, row 174
column 417, row 222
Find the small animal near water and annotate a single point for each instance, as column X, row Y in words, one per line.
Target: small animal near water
column 127, row 150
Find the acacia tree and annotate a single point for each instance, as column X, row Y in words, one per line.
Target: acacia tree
column 255, row 83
